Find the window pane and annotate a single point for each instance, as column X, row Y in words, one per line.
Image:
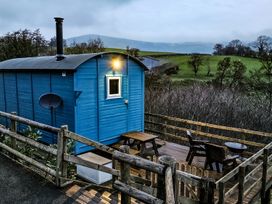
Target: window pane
column 114, row 86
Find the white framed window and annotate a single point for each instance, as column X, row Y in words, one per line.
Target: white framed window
column 114, row 87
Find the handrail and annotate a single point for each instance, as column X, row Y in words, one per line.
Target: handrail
column 139, row 162
column 41, row 126
column 220, row 127
column 188, row 178
column 244, row 177
column 244, row 163
column 209, row 135
column 89, row 142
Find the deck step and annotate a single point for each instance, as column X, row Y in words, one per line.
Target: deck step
column 92, row 196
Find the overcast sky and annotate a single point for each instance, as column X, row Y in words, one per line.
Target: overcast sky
column 148, row 20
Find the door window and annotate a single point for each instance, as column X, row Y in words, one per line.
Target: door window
column 113, row 87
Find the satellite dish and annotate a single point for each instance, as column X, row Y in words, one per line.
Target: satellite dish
column 50, row 100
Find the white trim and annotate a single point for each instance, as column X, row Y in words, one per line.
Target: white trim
column 112, row 96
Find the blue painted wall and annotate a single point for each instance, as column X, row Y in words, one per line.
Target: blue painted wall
column 22, row 91
column 105, row 119
column 85, row 82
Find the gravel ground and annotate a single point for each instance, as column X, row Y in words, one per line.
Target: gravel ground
column 19, row 185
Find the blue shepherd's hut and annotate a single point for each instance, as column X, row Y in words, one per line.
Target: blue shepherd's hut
column 97, row 95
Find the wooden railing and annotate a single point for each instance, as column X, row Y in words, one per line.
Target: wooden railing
column 159, row 190
column 166, row 188
column 250, row 175
column 249, row 180
column 174, row 129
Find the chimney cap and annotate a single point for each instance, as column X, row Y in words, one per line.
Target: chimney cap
column 59, row 19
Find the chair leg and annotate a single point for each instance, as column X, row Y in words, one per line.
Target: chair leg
column 217, row 167
column 211, row 166
column 189, row 155
column 191, row 158
column 206, row 163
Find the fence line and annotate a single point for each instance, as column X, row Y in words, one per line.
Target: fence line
column 172, row 184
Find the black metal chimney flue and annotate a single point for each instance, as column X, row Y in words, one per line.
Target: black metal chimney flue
column 59, row 38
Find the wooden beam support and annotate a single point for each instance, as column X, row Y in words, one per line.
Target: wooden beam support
column 125, row 176
column 241, row 180
column 169, row 187
column 264, row 177
column 166, row 161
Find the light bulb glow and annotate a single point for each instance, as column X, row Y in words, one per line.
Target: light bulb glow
column 116, row 64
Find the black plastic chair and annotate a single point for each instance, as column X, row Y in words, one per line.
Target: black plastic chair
column 197, row 148
column 218, row 155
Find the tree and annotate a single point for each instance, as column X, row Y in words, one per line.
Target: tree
column 230, row 74
column 261, row 79
column 263, row 44
column 208, row 65
column 52, row 46
column 223, row 68
column 96, row 45
column 134, row 52
column 218, row 49
column 234, row 47
column 237, row 75
column 22, row 43
column 195, row 62
column 93, row 46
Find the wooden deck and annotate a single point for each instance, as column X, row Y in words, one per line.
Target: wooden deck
column 81, row 195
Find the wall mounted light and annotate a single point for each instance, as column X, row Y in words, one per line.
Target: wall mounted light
column 116, row 64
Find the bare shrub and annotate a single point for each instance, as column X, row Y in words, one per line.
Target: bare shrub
column 206, row 103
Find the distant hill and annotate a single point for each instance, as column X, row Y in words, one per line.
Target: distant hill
column 112, row 42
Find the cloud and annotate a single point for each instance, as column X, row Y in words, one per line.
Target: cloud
column 152, row 20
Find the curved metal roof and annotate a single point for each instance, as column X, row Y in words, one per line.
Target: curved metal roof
column 70, row 62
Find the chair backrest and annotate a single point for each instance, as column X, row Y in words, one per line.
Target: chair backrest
column 215, row 153
column 189, row 136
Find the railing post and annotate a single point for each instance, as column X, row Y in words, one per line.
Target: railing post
column 206, row 192
column 167, row 161
column 241, row 180
column 61, row 168
column 221, row 192
column 13, row 128
column 114, row 166
column 165, row 129
column 264, row 195
column 125, row 175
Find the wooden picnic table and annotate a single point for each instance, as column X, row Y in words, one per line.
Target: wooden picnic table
column 141, row 138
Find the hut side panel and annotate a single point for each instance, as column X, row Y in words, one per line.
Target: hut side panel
column 136, row 97
column 22, row 91
column 11, row 92
column 41, row 86
column 64, row 86
column 2, row 97
column 86, row 110
column 25, row 86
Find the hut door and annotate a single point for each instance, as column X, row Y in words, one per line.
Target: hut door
column 113, row 108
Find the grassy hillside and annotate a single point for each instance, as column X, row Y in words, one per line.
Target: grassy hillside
column 185, row 72
column 141, row 53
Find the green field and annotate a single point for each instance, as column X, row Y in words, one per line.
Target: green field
column 186, row 72
column 141, row 53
